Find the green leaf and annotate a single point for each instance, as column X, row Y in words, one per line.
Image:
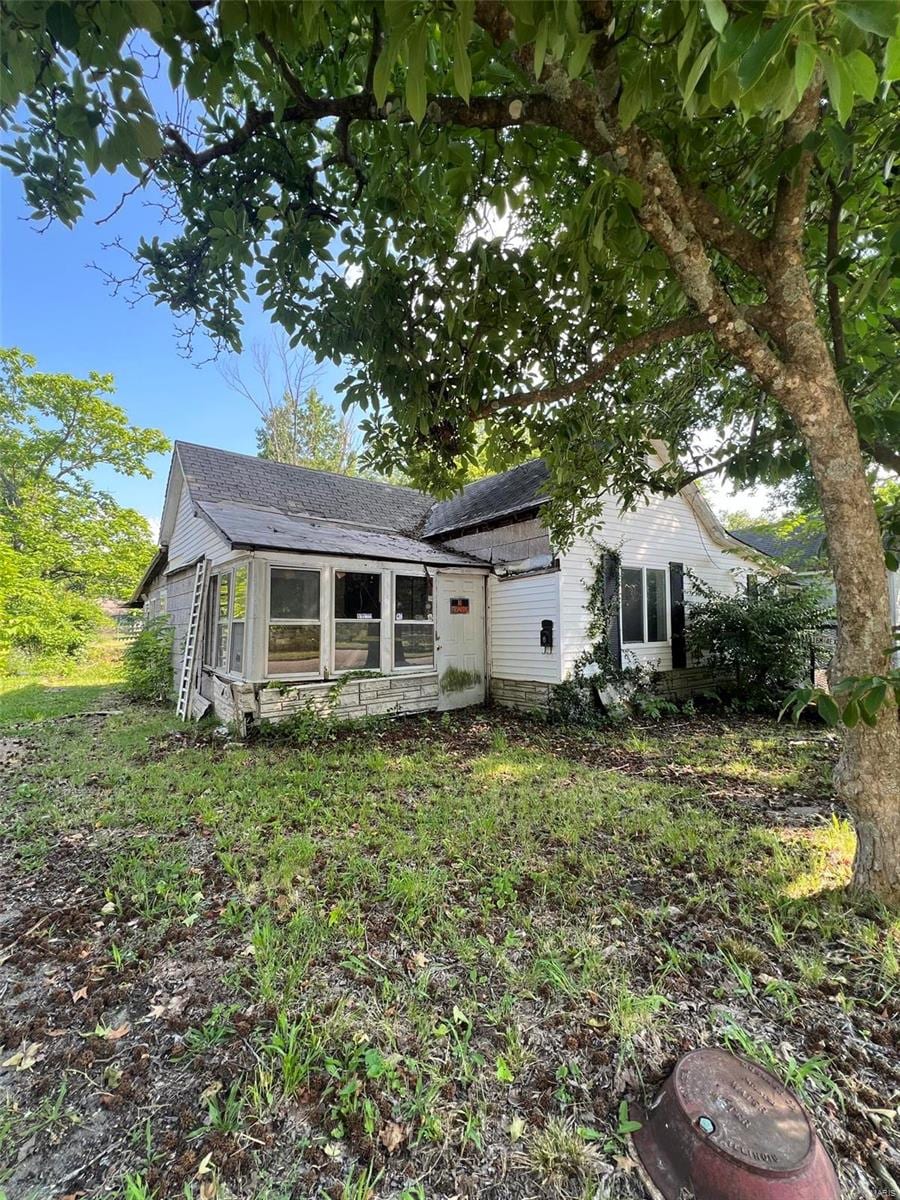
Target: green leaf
column 687, row 37
column 462, row 65
column 148, row 138
column 762, row 51
column 416, row 93
column 634, row 92
column 840, row 86
column 873, row 16
column 851, row 714
column 62, row 25
column 828, row 709
column 804, row 64
column 632, row 191
column 381, row 76
column 892, row 60
column 862, row 72
column 578, row 57
column 698, row 68
column 540, row 47
column 736, row 41
column 873, row 699
column 717, row 13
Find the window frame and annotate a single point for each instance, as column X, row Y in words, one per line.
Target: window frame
column 269, row 622
column 212, row 619
column 394, row 623
column 645, row 613
column 335, row 619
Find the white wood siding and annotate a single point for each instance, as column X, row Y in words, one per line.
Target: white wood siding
column 506, row 543
column 517, row 606
column 193, row 537
column 662, row 531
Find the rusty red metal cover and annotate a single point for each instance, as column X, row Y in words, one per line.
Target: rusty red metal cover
column 722, row 1128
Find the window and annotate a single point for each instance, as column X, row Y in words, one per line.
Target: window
column 357, row 621
column 413, row 622
column 644, row 605
column 238, row 618
column 295, row 630
column 224, row 600
column 632, row 605
column 226, row 614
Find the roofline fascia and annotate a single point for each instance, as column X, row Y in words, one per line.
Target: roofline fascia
column 159, row 559
column 375, row 557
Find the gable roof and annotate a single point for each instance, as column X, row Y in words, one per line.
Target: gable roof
column 249, row 526
column 223, row 476
column 801, row 551
column 486, row 500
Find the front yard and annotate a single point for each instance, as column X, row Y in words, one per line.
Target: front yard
column 428, row 958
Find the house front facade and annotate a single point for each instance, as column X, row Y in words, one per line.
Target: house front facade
column 322, row 591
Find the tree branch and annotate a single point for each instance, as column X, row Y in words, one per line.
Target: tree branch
column 790, row 199
column 885, row 456
column 483, row 112
column 641, row 343
column 722, row 232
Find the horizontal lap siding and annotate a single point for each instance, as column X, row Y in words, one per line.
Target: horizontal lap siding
column 517, row 607
column 506, row 543
column 193, row 537
column 663, row 531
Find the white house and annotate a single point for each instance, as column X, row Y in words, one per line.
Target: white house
column 310, row 579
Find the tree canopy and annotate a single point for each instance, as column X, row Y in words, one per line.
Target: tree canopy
column 64, row 543
column 436, row 195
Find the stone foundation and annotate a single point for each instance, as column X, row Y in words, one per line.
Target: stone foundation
column 685, row 682
column 368, row 697
column 517, row 693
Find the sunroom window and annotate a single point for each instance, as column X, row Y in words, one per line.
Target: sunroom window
column 238, row 619
column 643, row 602
column 357, row 621
column 226, row 614
column 295, row 630
column 413, row 622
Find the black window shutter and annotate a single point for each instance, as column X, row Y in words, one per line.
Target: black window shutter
column 676, row 615
column 611, row 605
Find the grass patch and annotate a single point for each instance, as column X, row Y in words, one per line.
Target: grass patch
column 366, row 962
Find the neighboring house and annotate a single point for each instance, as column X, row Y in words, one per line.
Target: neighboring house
column 315, row 577
column 803, row 552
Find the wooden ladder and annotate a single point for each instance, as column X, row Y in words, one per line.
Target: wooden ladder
column 190, row 643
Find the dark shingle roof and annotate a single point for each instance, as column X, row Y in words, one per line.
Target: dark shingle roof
column 251, row 526
column 487, row 500
column 801, row 551
column 221, row 475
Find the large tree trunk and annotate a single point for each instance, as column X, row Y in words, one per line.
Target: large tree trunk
column 867, row 778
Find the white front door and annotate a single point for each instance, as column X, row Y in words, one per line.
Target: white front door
column 459, row 639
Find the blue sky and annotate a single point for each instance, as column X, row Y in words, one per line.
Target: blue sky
column 55, row 306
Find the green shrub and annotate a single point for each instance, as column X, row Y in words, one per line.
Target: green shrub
column 147, row 663
column 761, row 643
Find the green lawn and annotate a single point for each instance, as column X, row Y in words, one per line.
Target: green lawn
column 424, row 958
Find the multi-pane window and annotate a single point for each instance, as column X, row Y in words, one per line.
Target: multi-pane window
column 238, row 620
column 295, row 630
column 643, row 602
column 357, row 621
column 226, row 616
column 413, row 622
column 223, row 602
